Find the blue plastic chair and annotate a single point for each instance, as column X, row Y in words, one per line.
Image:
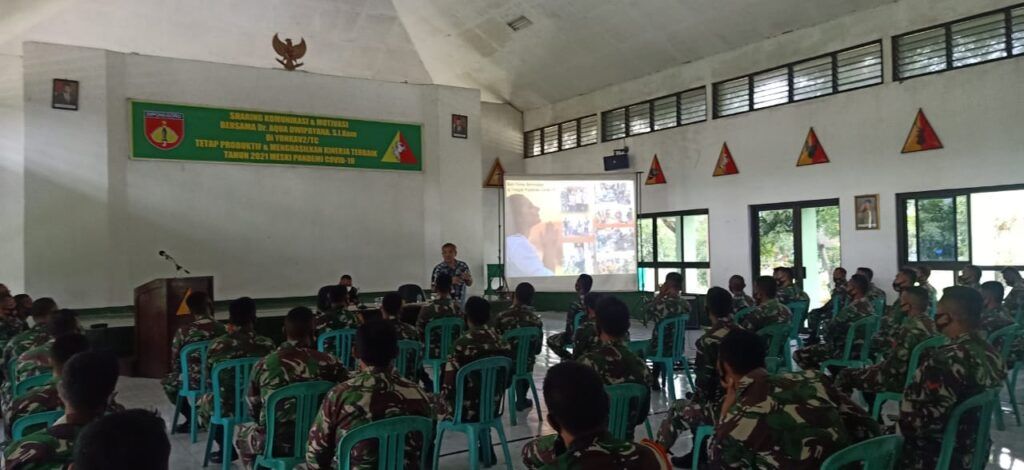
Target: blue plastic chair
column 879, row 305
column 864, row 324
column 239, row 372
column 668, row 357
column 450, row 329
column 741, row 313
column 778, row 342
column 577, row 319
column 703, row 432
column 410, row 358
column 799, row 310
column 390, row 436
column 307, row 397
column 627, row 402
column 915, row 360
column 190, row 391
column 523, row 340
column 340, row 342
column 36, row 381
column 478, row 434
column 1006, row 337
column 985, row 401
column 46, row 418
column 879, row 453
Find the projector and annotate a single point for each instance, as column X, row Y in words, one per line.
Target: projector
column 619, row 161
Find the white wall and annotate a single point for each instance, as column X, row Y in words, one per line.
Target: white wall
column 96, row 218
column 12, row 175
column 976, row 112
column 503, row 139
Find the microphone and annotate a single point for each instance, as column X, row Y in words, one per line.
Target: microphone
column 177, row 267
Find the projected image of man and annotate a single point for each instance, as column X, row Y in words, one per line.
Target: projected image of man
column 522, row 258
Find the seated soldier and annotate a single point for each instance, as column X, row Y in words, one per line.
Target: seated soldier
column 559, row 342
column 36, row 361
column 478, row 342
column 667, row 304
column 23, row 308
column 240, row 341
column 788, row 290
column 521, row 315
column 578, row 410
column 203, row 327
column 769, row 310
column 890, row 375
column 295, row 361
column 126, row 440
column 441, row 307
column 764, row 416
column 994, row 317
column 11, row 324
column 894, row 315
column 1014, row 301
column 86, row 383
column 373, row 393
column 834, row 336
column 873, row 291
column 391, row 312
column 923, row 273
column 970, row 276
column 585, row 338
column 817, row 316
column 703, row 406
column 42, row 308
column 948, row 376
column 740, row 299
column 337, row 317
column 45, row 398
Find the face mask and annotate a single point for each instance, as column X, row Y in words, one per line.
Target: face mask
column 839, row 281
column 897, row 287
column 963, row 280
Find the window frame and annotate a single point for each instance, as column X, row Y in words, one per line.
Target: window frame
column 947, row 28
column 680, row 265
column 902, row 249
column 651, row 114
column 834, row 58
column 558, row 126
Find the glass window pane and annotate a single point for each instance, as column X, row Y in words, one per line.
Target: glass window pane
column 646, row 279
column 692, row 106
column 669, row 248
column 532, row 143
column 1017, row 25
column 614, row 122
column 921, row 53
column 695, row 238
column 550, row 139
column 911, row 230
column 646, row 227
column 588, row 130
column 697, row 280
column 979, row 39
column 771, row 88
column 662, row 272
column 775, row 239
column 666, row 111
column 937, row 224
column 821, row 254
column 812, row 78
column 569, row 135
column 732, row 97
column 941, row 280
column 998, row 219
column 859, row 67
column 639, row 118
column 963, row 230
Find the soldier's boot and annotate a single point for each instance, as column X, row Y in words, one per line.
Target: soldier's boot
column 522, row 389
column 428, row 383
column 686, row 461
column 217, row 456
column 656, row 372
column 186, row 410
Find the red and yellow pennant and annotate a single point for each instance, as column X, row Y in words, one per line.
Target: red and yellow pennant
column 813, row 153
column 726, row 164
column 922, row 135
column 655, row 175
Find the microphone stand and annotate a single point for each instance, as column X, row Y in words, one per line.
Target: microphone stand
column 177, row 267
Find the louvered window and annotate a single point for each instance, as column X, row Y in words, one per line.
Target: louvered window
column 1017, row 26
column 812, row 78
column 550, row 139
column 693, row 106
column 639, row 118
column 978, row 40
column 531, row 142
column 678, row 109
column 562, row 136
column 614, row 123
column 666, row 112
column 732, row 97
column 588, row 130
column 859, row 67
column 569, row 134
column 771, row 88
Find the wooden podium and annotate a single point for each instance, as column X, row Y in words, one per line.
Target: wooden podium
column 159, row 308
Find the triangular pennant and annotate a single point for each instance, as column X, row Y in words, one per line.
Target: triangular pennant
column 812, row 153
column 183, row 306
column 655, row 176
column 922, row 135
column 399, row 151
column 726, row 165
column 496, row 178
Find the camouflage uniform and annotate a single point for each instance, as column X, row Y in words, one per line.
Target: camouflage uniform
column 370, row 395
column 1014, row 301
column 10, row 326
column 559, row 342
column 405, row 331
column 43, row 399
column 890, row 375
column 234, row 345
column 881, row 341
column 289, row 364
column 875, row 293
column 766, row 314
column 48, row 449
column 949, row 375
column 477, row 343
column 24, row 341
column 586, row 338
column 834, row 338
column 770, row 424
column 995, row 319
column 932, row 293
column 439, row 308
column 35, row 361
column 661, row 308
column 703, row 406
column 791, row 293
column 816, row 317
column 520, row 316
column 600, row 451
column 741, row 301
column 201, row 329
column 335, row 319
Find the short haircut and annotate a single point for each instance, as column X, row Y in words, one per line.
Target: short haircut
column 1005, row 271
column 43, row 306
column 586, row 282
column 591, row 299
column 867, row 272
column 974, row 269
column 299, row 322
column 918, row 296
column 842, row 270
column 924, row 271
column 443, row 282
column 21, row 298
column 88, row 379
column 674, row 279
column 478, row 310
column 719, row 302
column 575, row 398
column 524, row 293
column 738, row 278
column 994, row 289
column 242, row 311
column 766, row 286
column 346, row 276
column 198, row 302
column 909, row 273
column 391, row 304
column 787, row 271
column 124, row 440
column 613, row 317
column 64, row 322
column 860, row 282
column 66, row 346
column 743, row 350
column 449, row 245
column 376, row 343
column 964, row 304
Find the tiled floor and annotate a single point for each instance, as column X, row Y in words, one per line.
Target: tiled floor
column 1007, row 451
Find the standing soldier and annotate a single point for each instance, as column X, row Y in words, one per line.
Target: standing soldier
column 834, row 339
column 441, row 307
column 948, row 376
column 203, row 327
column 521, row 315
column 769, row 310
column 788, row 290
column 558, row 342
column 667, row 304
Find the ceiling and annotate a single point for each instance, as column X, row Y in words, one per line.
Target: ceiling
column 572, row 48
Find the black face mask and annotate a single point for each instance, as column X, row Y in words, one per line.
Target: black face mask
column 897, row 287
column 839, row 281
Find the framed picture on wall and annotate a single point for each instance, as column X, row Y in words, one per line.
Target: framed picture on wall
column 867, row 211
column 460, row 126
column 65, row 94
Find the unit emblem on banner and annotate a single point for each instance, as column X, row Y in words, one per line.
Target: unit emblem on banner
column 165, row 130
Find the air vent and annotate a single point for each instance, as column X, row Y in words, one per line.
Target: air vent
column 520, row 23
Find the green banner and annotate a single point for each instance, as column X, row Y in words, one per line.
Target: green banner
column 194, row 133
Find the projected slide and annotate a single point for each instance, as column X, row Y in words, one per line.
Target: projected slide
column 565, row 226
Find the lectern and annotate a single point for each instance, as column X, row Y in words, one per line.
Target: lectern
column 159, row 309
